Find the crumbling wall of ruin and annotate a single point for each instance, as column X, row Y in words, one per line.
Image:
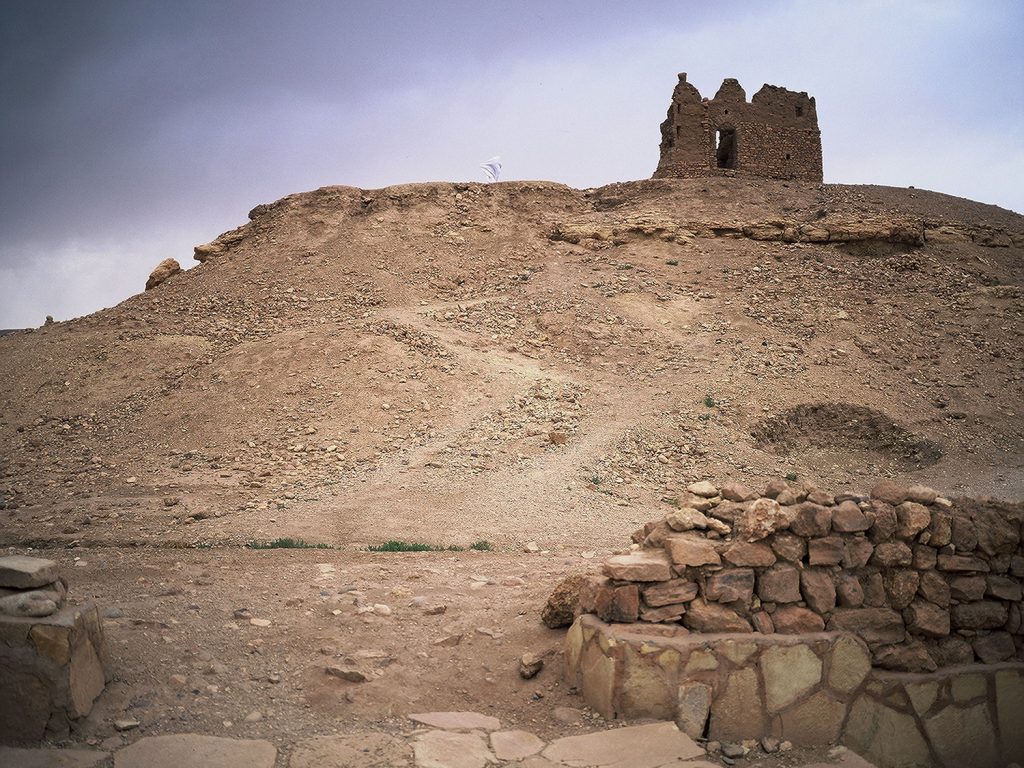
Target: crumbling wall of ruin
column 924, row 581
column 774, row 135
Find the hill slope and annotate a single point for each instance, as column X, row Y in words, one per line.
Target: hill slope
column 453, row 362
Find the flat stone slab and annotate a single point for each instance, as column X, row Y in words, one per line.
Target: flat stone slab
column 638, row 746
column 360, row 750
column 190, row 749
column 515, row 745
column 444, row 749
column 23, row 572
column 12, row 757
column 457, row 721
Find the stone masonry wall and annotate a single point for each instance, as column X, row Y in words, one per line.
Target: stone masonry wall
column 774, row 135
column 752, row 691
column 925, row 582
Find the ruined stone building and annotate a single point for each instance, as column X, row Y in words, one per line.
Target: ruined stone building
column 774, row 135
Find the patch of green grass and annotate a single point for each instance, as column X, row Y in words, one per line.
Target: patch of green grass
column 481, row 546
column 395, row 545
column 671, row 501
column 285, row 543
column 709, row 401
column 791, row 476
column 673, row 262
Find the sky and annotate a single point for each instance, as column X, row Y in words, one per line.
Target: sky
column 133, row 130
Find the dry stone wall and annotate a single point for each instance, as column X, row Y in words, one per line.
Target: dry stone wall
column 924, row 581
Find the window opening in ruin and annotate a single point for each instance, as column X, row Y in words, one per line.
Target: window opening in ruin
column 799, row 111
column 725, row 147
column 787, row 155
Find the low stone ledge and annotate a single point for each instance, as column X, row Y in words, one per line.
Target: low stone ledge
column 811, row 689
column 52, row 670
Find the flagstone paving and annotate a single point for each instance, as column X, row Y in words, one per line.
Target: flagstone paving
column 450, row 740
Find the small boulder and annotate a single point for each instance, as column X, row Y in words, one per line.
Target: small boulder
column 163, row 270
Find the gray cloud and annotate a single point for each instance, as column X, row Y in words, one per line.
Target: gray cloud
column 138, row 129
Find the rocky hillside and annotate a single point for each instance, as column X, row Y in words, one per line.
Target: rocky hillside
column 523, row 361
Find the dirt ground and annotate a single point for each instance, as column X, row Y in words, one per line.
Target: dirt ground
column 454, row 363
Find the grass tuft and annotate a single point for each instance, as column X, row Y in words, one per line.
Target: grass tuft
column 285, row 543
column 481, row 546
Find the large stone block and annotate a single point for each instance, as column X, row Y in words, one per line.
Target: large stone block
column 1010, row 705
column 987, row 614
column 670, row 593
column 194, row 750
column 597, row 679
column 794, row 620
column 643, row 565
column 885, row 736
column 900, row 587
column 644, row 689
column 811, row 520
column 814, row 721
column 691, row 551
column 849, row 664
column 737, row 713
column 963, row 736
column 847, row 517
column 23, row 572
column 736, row 584
column 746, row 554
column 707, row 617
column 52, row 672
column 789, row 672
column 876, row 626
column 818, row 590
column 620, row 603
column 912, row 518
column 692, row 708
column 927, row 619
column 829, row 550
column 779, row 584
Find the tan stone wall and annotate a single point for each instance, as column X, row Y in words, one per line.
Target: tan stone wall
column 52, row 671
column 817, row 688
column 776, row 133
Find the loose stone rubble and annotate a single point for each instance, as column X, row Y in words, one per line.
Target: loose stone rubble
column 924, row 581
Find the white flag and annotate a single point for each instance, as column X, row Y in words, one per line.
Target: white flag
column 492, row 168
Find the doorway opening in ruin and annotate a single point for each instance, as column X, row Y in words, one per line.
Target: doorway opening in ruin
column 725, row 147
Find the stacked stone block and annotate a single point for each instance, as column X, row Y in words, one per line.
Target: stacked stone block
column 50, row 653
column 924, row 581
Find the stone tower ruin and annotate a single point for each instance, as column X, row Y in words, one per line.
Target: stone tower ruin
column 775, row 135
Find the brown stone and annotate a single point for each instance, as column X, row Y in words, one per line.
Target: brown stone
column 818, row 590
column 775, row 487
column 814, row 721
column 848, row 518
column 997, row 534
column 994, row 647
column 191, row 749
column 811, row 520
column 892, row 553
column 163, row 270
column 730, row 586
column 921, row 494
column 737, row 492
column 858, row 552
column 617, row 604
column 900, row 587
column 953, row 651
column 693, row 706
column 827, row 551
column 560, row 609
column 961, row 564
column 686, row 519
column 927, row 619
column 763, row 518
column 669, row 592
column 779, row 584
column 791, row 496
column 24, row 572
column 941, row 529
column 789, row 546
column 706, row 617
column 912, row 518
column 643, row 565
column 794, row 620
column 818, row 496
column 966, row 589
column 849, row 592
column 883, row 520
column 965, row 536
column 986, row 614
column 925, row 557
column 876, row 626
column 889, row 492
column 908, row 657
column 1004, row 588
column 686, row 550
column 934, row 589
column 743, row 553
column 662, row 614
column 874, row 589
column 736, row 712
column 763, row 623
